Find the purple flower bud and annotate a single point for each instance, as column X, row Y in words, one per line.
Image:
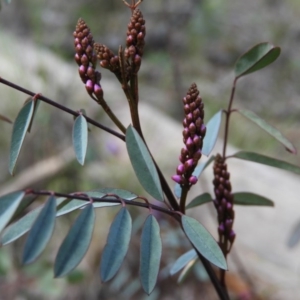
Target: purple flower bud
column 231, row 236
column 177, row 179
column 221, row 228
column 189, row 118
column 188, row 165
column 180, row 169
column 193, row 179
column 98, row 91
column 197, row 155
column 192, row 128
column 78, row 49
column 84, row 60
column 196, row 113
column 77, row 58
column 104, row 64
column 228, row 225
column 229, row 206
column 203, row 130
column 89, row 86
column 186, row 109
column 82, row 71
column 189, row 144
column 185, row 133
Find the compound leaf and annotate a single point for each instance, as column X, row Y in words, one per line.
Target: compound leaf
column 76, row 243
column 151, row 248
column 116, row 246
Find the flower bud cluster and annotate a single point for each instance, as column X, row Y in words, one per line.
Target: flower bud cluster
column 86, row 59
column 193, row 134
column 223, row 203
column 135, row 41
column 108, row 59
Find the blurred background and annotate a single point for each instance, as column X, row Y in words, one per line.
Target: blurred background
column 187, row 41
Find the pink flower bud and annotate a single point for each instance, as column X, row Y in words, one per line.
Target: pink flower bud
column 98, row 91
column 177, row 178
column 193, row 180
column 180, row 169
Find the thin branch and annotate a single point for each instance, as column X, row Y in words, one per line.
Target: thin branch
column 96, row 199
column 61, row 107
column 228, row 113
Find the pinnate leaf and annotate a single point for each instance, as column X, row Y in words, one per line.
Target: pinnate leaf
column 151, row 248
column 244, row 198
column 269, row 129
column 182, row 261
column 266, row 160
column 199, row 200
column 143, row 164
column 212, row 131
column 20, row 128
column 116, row 246
column 76, row 243
column 203, row 241
column 40, row 232
column 256, row 58
column 80, row 138
column 8, row 205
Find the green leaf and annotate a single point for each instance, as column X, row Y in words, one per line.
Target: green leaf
column 35, row 108
column 201, row 199
column 71, row 206
column 80, row 138
column 251, row 199
column 19, row 131
column 5, row 119
column 116, row 246
column 8, row 205
column 151, row 248
column 23, row 225
column 182, row 261
column 40, row 232
column 186, row 270
column 212, row 131
column 266, row 160
column 76, row 243
column 143, row 164
column 269, row 129
column 294, row 237
column 256, row 58
column 203, row 241
column 20, row 227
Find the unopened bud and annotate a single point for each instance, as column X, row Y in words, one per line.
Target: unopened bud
column 193, row 180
